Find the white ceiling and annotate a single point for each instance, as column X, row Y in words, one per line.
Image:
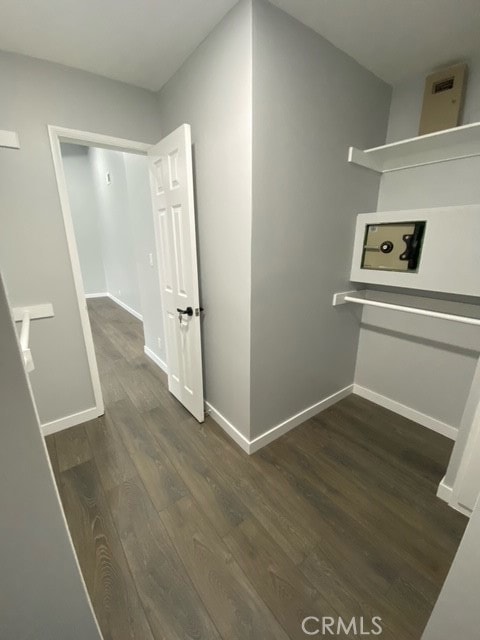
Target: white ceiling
column 394, row 38
column 143, row 42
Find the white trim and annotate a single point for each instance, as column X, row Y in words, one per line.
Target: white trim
column 103, row 294
column 407, row 412
column 88, row 139
column 62, row 134
column 250, row 446
column 285, row 426
column 156, row 359
column 228, row 427
column 66, row 422
column 54, row 134
column 9, row 139
column 445, row 493
column 126, row 307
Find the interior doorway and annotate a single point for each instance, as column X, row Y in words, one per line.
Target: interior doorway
column 132, row 241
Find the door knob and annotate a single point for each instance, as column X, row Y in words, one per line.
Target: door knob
column 185, row 312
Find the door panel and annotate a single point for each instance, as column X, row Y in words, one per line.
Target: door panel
column 172, row 195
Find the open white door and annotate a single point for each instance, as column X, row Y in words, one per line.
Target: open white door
column 171, row 179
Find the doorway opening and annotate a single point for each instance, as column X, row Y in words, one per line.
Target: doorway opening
column 130, row 226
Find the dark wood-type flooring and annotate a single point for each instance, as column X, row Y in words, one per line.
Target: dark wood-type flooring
column 180, row 534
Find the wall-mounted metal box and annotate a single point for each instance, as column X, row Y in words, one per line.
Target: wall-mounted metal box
column 435, row 249
column 443, row 99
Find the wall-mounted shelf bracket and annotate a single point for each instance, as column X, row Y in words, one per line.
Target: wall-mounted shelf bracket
column 339, row 298
column 25, row 315
column 9, row 139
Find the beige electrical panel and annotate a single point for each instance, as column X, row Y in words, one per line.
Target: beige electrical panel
column 443, row 99
column 393, row 246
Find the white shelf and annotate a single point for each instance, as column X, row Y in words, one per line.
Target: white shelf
column 451, row 144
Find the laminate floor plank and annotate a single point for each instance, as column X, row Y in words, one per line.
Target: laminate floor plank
column 180, row 534
column 173, row 606
column 284, row 588
column 238, row 611
column 345, row 506
column 391, row 483
column 162, row 481
column 113, row 461
column 108, row 579
column 72, row 447
column 289, row 519
column 52, row 454
column 206, row 485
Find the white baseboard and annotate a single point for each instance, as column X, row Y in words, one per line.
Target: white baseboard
column 228, row 427
column 126, row 307
column 158, row 361
column 250, row 446
column 445, row 493
column 285, row 426
column 104, row 294
column 407, row 412
column 47, row 428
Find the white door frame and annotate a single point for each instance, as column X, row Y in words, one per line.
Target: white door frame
column 88, row 139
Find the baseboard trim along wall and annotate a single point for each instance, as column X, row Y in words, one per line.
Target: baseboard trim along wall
column 407, row 412
column 228, row 427
column 134, row 313
column 158, row 361
column 47, row 428
column 292, row 422
column 445, row 493
column 250, row 446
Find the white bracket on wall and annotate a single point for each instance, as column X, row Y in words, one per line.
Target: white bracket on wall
column 9, row 139
column 353, row 296
column 339, row 298
column 25, row 315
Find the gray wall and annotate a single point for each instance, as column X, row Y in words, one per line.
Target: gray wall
column 85, row 215
column 456, row 613
column 310, row 103
column 33, row 247
column 42, row 594
column 212, row 91
column 117, row 228
column 441, row 354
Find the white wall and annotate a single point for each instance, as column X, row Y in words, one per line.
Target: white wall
column 456, row 613
column 117, row 230
column 310, row 102
column 33, row 247
column 213, row 92
column 141, row 217
column 42, row 593
column 85, row 215
column 440, row 356
column 114, row 231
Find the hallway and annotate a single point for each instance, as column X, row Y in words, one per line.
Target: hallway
column 180, row 534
